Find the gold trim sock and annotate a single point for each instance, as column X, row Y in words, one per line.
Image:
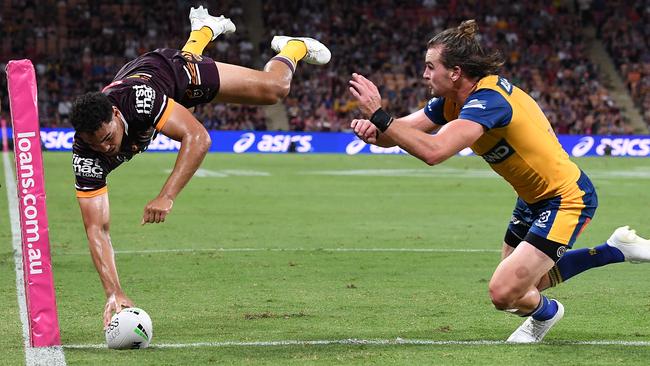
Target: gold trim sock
column 198, row 40
column 294, row 51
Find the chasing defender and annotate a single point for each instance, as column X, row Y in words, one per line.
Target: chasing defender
column 474, row 107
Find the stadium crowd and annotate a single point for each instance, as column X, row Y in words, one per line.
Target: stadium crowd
column 625, row 28
column 78, row 46
column 544, row 56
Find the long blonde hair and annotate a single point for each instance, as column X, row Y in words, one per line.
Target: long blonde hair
column 461, row 48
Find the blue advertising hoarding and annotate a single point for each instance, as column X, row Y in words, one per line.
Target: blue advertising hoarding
column 348, row 143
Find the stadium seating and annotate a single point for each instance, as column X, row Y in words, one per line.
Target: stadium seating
column 624, row 29
column 545, row 56
column 76, row 50
column 78, row 46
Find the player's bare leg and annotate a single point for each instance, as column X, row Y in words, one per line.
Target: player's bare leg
column 247, row 86
column 623, row 245
column 544, row 282
column 513, row 288
column 513, row 284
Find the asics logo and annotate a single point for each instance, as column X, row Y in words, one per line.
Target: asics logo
column 244, row 143
column 273, row 143
column 619, row 146
column 583, row 146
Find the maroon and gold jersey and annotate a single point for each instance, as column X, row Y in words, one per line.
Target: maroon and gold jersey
column 144, row 91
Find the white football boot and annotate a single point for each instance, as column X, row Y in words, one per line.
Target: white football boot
column 635, row 248
column 533, row 331
column 317, row 53
column 199, row 18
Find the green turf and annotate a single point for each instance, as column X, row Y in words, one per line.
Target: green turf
column 11, row 341
column 318, row 294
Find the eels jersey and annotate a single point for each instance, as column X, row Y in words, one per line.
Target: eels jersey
column 518, row 143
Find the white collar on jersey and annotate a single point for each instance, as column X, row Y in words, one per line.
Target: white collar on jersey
column 126, row 124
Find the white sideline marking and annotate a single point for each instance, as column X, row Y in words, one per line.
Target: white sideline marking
column 358, row 250
column 449, row 172
column 372, row 342
column 33, row 355
column 224, row 173
column 438, row 172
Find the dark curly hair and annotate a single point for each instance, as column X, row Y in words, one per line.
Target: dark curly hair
column 90, row 111
column 462, row 48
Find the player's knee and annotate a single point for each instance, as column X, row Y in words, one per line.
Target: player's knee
column 282, row 90
column 503, row 297
column 277, row 91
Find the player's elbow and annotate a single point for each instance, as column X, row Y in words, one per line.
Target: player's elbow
column 203, row 142
column 430, row 162
column 435, row 156
column 432, row 159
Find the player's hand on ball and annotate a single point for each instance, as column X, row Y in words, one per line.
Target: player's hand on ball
column 157, row 209
column 114, row 304
column 365, row 130
column 366, row 93
column 130, row 329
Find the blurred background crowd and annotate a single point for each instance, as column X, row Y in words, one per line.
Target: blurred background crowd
column 78, row 45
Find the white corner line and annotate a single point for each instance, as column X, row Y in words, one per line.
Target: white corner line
column 34, row 356
column 328, row 250
column 370, row 342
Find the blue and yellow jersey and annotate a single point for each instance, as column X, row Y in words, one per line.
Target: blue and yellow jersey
column 518, row 143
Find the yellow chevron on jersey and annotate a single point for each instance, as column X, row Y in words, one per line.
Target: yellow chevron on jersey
column 518, row 143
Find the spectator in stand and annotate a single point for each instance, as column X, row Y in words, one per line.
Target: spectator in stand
column 61, row 41
column 624, row 29
column 70, row 59
column 364, row 30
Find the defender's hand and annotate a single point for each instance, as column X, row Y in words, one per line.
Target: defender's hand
column 365, row 130
column 114, row 304
column 366, row 93
column 156, row 210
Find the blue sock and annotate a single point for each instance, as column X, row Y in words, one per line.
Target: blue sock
column 545, row 310
column 577, row 261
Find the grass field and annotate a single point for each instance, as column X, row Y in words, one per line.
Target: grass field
column 264, row 248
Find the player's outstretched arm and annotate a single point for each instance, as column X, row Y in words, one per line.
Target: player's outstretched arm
column 369, row 133
column 369, row 99
column 195, row 143
column 434, row 149
column 96, row 217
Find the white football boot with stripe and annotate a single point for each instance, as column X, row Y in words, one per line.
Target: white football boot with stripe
column 533, row 331
column 317, row 53
column 635, row 248
column 199, row 18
